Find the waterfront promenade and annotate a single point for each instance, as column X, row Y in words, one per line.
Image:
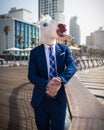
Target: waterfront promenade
column 15, row 94
column 16, row 112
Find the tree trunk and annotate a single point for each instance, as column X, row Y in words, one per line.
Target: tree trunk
column 6, row 41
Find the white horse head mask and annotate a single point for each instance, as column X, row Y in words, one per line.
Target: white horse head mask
column 50, row 30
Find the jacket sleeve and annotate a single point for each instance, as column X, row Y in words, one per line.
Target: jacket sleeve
column 70, row 67
column 32, row 74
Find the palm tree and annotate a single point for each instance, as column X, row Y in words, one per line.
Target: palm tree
column 6, row 30
column 73, row 42
column 33, row 41
column 19, row 39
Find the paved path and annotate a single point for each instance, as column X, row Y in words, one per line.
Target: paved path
column 16, row 112
column 15, row 94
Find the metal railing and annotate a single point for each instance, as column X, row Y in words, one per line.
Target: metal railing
column 89, row 63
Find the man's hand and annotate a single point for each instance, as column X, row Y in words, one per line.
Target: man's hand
column 53, row 86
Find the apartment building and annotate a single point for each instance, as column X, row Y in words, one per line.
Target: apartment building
column 54, row 8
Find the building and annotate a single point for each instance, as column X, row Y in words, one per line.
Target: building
column 17, row 31
column 54, row 8
column 90, row 40
column 96, row 39
column 22, row 14
column 74, row 30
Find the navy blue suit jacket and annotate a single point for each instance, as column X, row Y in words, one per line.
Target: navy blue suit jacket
column 38, row 73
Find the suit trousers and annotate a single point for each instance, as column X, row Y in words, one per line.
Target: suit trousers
column 50, row 114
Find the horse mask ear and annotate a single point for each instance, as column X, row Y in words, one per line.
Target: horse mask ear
column 45, row 17
column 42, row 17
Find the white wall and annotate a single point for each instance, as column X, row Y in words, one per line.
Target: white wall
column 3, row 23
column 22, row 15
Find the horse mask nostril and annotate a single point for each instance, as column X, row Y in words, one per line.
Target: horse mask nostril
column 62, row 27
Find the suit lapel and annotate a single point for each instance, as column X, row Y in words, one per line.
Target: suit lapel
column 58, row 52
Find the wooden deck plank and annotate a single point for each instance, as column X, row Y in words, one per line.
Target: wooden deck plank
column 86, row 124
column 95, row 87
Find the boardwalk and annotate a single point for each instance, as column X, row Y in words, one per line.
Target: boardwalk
column 15, row 94
column 93, row 79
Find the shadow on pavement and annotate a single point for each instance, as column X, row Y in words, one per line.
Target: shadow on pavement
column 14, row 114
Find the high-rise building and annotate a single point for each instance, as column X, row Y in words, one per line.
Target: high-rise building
column 96, row 39
column 74, row 30
column 54, row 8
column 15, row 31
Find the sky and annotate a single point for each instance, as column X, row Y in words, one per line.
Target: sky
column 90, row 13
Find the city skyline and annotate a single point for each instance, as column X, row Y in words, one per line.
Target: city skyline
column 89, row 13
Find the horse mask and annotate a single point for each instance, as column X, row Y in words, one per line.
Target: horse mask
column 50, row 30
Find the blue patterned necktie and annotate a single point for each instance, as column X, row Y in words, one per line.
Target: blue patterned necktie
column 52, row 72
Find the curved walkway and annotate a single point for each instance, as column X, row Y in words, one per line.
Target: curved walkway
column 16, row 112
column 22, row 113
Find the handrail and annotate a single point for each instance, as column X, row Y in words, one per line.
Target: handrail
column 83, row 106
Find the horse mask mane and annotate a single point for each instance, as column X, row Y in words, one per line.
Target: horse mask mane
column 50, row 30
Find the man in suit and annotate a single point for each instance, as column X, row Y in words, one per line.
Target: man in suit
column 49, row 99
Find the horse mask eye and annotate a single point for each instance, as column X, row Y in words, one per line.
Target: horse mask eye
column 45, row 24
